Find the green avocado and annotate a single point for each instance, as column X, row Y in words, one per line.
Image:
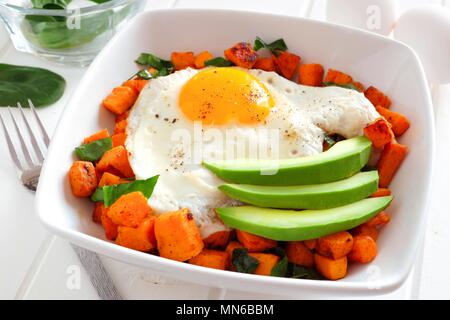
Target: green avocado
column 315, row 196
column 291, row 225
column 341, row 161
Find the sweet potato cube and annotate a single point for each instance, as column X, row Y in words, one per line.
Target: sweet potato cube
column 98, row 211
column 310, row 244
column 177, row 235
column 299, row 254
column 242, row 55
column 102, row 134
column 122, row 116
column 254, row 243
column 364, row 249
column 120, row 126
column 218, row 239
column 399, row 122
column 111, row 170
column 108, row 179
column 381, row 192
column 359, row 86
column 311, row 74
column 136, row 84
column 287, row 64
column 118, row 139
column 377, row 97
column 233, row 245
column 266, row 64
column 201, row 58
column 336, row 245
column 109, row 226
column 141, row 238
column 266, row 263
column 183, row 60
column 379, row 132
column 365, row 230
column 211, row 259
column 338, row 77
column 116, row 158
column 379, row 220
column 82, row 178
column 330, row 268
column 390, row 160
column 120, row 99
column 130, row 210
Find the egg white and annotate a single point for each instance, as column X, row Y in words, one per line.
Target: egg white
column 301, row 115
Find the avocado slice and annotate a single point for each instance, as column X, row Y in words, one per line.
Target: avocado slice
column 341, row 161
column 315, row 196
column 291, row 225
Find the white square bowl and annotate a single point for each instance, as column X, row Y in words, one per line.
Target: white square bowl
column 371, row 59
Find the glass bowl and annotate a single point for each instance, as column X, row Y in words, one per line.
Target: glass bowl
column 72, row 36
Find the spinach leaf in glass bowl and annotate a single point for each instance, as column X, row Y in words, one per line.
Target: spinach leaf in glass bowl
column 70, row 29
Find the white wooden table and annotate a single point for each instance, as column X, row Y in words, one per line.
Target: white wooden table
column 36, row 265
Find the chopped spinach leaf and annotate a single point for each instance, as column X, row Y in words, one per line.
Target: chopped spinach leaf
column 148, row 59
column 346, row 86
column 300, row 272
column 94, row 150
column 163, row 67
column 280, row 269
column 109, row 194
column 20, row 83
column 144, row 74
column 97, row 196
column 218, row 62
column 275, row 47
column 243, row 262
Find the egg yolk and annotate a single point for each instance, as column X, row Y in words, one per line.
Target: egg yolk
column 221, row 95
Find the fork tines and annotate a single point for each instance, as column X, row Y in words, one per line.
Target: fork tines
column 22, row 155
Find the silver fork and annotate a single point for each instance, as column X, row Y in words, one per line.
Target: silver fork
column 29, row 174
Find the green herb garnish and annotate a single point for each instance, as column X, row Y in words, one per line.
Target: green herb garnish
column 20, row 83
column 218, row 62
column 163, row 67
column 243, row 262
column 109, row 194
column 143, row 74
column 97, row 196
column 94, row 150
column 280, row 269
column 148, row 59
column 346, row 86
column 300, row 272
column 147, row 75
column 275, row 47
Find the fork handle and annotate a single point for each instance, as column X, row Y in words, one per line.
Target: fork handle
column 98, row 275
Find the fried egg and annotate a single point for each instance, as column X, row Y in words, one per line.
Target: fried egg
column 229, row 113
